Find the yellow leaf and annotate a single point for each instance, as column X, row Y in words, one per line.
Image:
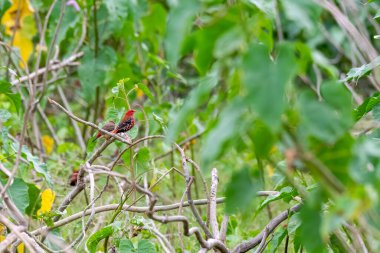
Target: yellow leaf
column 48, row 143
column 47, row 200
column 20, row 248
column 270, row 170
column 140, row 93
column 19, row 18
column 2, row 229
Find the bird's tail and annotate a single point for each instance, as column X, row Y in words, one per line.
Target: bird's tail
column 97, row 136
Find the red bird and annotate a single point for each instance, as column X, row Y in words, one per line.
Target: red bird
column 126, row 123
column 109, row 127
column 73, row 178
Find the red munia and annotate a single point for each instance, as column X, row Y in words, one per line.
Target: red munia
column 109, row 127
column 73, row 178
column 126, row 123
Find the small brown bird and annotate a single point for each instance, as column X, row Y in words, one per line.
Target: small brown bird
column 109, row 126
column 126, row 123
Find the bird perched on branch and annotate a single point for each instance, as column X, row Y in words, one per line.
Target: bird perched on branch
column 126, row 123
column 109, row 127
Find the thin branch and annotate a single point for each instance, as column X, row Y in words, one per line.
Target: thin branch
column 113, row 207
column 271, row 226
column 187, row 140
column 213, row 214
column 67, row 62
column 74, row 123
column 28, row 242
column 223, row 228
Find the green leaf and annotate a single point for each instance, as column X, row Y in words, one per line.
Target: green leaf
column 160, row 121
column 336, row 157
column 229, row 42
column 18, row 192
column 294, row 223
column 146, row 91
column 326, row 120
column 240, row 191
column 34, row 200
column 6, row 88
column 99, row 235
column 179, row 23
column 364, row 70
column 223, row 135
column 142, row 159
column 126, row 246
column 262, row 138
column 309, row 230
column 286, row 193
column 278, row 237
column 133, row 132
column 39, row 166
column 265, row 81
column 197, row 96
column 205, row 40
column 266, row 6
column 145, row 246
column 92, row 70
column 367, row 106
column 303, row 14
column 117, row 9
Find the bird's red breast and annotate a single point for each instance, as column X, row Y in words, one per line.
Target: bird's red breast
column 126, row 123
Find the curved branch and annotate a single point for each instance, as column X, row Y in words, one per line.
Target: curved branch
column 112, row 207
column 272, row 225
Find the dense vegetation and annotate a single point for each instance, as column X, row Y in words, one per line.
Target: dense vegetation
column 256, row 126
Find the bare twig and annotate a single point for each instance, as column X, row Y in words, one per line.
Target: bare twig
column 28, row 242
column 187, row 140
column 78, row 134
column 113, row 207
column 271, row 226
column 223, row 228
column 214, row 186
column 67, row 62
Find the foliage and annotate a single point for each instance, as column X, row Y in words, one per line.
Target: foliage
column 281, row 96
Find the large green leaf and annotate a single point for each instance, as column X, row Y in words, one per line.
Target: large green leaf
column 18, row 192
column 265, row 81
column 224, row 134
column 278, row 237
column 326, row 120
column 310, row 228
column 126, row 246
column 92, row 71
column 240, row 191
column 262, row 138
column 145, row 246
column 34, row 200
column 142, row 159
column 198, row 96
column 179, row 22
